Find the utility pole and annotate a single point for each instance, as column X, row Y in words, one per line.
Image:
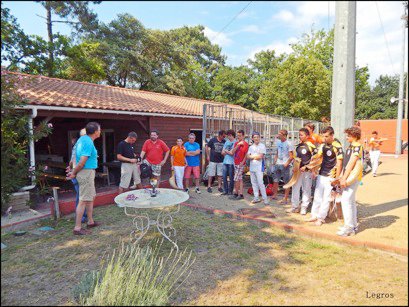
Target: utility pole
column 398, row 145
column 343, row 82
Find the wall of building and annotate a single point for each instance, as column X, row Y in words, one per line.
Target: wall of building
column 386, row 128
column 169, row 129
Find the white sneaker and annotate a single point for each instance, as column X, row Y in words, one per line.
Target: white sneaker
column 293, row 210
column 198, row 191
column 255, row 200
column 346, row 232
column 303, row 211
column 266, row 202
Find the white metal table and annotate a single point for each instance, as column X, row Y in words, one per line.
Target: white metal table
column 166, row 199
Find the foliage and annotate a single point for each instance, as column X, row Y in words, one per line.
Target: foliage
column 236, row 85
column 376, row 104
column 15, row 137
column 300, row 87
column 135, row 276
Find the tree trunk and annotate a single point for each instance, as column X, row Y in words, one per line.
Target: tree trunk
column 50, row 41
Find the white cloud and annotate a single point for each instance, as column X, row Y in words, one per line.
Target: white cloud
column 371, row 45
column 279, row 47
column 250, row 29
column 221, row 39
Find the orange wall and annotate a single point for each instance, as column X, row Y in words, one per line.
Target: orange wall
column 386, row 129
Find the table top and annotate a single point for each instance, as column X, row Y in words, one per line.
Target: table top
column 141, row 199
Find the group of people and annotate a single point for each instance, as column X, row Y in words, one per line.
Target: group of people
column 227, row 155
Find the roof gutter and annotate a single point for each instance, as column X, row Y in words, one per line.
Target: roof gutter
column 98, row 111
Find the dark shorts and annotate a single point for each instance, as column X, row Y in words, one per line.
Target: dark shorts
column 281, row 171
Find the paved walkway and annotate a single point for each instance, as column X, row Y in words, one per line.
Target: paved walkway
column 382, row 207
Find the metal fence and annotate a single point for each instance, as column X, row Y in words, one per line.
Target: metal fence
column 223, row 117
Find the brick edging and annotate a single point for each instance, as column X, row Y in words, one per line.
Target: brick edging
column 303, row 230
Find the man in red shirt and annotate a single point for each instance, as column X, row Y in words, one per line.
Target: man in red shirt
column 152, row 151
column 239, row 152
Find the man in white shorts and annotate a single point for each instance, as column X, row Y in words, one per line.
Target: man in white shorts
column 130, row 164
column 215, row 158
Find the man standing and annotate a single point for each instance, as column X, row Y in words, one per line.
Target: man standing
column 304, row 150
column 154, row 149
column 130, row 165
column 239, row 152
column 87, row 161
column 375, row 151
column 74, row 181
column 193, row 162
column 352, row 155
column 282, row 163
column 332, row 155
column 178, row 161
column 256, row 155
column 215, row 158
column 228, row 163
column 313, row 137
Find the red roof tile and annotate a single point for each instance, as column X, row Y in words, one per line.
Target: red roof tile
column 47, row 91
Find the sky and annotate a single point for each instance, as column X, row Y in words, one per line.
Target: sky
column 261, row 25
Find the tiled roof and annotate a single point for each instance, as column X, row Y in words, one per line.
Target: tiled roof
column 47, row 91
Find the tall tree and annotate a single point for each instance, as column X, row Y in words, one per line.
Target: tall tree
column 300, row 87
column 87, row 20
column 236, row 85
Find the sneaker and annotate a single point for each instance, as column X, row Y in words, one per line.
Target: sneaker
column 225, row 193
column 312, row 219
column 234, row 196
column 303, row 211
column 346, row 232
column 220, row 190
column 319, row 222
column 209, row 189
column 198, row 191
column 374, row 175
column 293, row 210
column 255, row 201
column 239, row 197
column 266, row 202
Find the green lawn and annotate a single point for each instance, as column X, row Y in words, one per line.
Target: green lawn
column 237, row 263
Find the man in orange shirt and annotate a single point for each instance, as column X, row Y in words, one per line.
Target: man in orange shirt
column 178, row 161
column 313, row 137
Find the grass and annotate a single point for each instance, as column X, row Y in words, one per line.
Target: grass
column 237, row 263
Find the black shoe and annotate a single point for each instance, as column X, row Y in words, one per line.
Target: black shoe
column 187, row 190
column 209, row 189
column 225, row 193
column 220, row 190
column 239, row 197
column 234, row 196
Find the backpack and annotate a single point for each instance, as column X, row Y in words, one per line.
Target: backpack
column 146, row 171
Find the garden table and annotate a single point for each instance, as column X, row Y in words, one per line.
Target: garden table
column 135, row 200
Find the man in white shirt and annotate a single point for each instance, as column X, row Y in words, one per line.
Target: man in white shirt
column 256, row 155
column 282, row 164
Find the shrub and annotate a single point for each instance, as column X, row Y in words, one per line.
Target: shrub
column 15, row 137
column 135, row 276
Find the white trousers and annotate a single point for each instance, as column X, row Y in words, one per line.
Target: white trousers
column 304, row 182
column 258, row 184
column 374, row 155
column 322, row 197
column 348, row 204
column 179, row 172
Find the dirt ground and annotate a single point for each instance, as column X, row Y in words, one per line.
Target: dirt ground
column 237, row 263
column 382, row 205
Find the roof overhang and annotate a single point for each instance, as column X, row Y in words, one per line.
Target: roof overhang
column 98, row 111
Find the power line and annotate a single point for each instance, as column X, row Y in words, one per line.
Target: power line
column 237, row 15
column 384, row 35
